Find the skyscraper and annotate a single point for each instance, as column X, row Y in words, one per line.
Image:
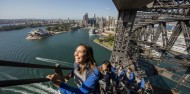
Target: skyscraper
column 85, row 19
column 94, row 15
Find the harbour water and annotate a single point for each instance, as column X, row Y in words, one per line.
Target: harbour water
column 14, row 47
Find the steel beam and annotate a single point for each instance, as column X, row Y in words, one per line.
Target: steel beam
column 175, row 33
column 164, row 34
column 131, row 4
column 186, row 31
column 122, row 36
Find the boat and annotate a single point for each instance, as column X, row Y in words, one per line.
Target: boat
column 93, row 32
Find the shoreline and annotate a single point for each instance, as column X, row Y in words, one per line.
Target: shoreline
column 103, row 45
column 36, row 37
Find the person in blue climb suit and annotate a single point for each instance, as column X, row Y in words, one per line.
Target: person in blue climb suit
column 86, row 75
column 130, row 76
column 140, row 87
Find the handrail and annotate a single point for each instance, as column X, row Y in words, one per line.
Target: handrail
column 28, row 65
column 7, row 83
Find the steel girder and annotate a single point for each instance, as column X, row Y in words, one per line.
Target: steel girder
column 122, row 36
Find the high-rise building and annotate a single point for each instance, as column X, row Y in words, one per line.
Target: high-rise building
column 113, row 22
column 109, row 21
column 102, row 22
column 98, row 20
column 94, row 15
column 92, row 22
column 85, row 19
column 68, row 20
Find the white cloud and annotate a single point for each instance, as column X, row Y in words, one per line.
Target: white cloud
column 107, row 8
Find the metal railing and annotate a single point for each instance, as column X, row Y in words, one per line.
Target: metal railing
column 6, row 83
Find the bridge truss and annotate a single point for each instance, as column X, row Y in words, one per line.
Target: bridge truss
column 141, row 23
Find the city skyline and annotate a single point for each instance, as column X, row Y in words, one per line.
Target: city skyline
column 59, row 9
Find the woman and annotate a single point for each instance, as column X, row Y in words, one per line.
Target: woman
column 105, row 67
column 105, row 70
column 148, row 88
column 85, row 73
column 121, row 73
column 108, row 74
column 130, row 77
column 140, row 87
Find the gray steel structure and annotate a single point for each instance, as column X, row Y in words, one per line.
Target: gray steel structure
column 137, row 22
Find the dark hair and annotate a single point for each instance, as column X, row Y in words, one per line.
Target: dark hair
column 91, row 63
column 108, row 64
column 130, row 69
column 121, row 67
column 90, row 54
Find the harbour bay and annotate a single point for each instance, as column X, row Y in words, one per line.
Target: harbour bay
column 14, row 47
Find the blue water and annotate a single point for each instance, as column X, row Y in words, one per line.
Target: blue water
column 14, row 47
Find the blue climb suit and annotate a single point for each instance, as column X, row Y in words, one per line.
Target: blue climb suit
column 87, row 83
column 131, row 78
column 113, row 75
column 141, row 84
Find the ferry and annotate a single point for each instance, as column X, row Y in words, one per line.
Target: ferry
column 93, row 32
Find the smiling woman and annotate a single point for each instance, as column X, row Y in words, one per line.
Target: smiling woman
column 85, row 73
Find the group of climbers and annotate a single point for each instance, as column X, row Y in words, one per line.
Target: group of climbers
column 131, row 80
column 91, row 79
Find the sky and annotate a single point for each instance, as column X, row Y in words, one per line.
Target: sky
column 56, row 9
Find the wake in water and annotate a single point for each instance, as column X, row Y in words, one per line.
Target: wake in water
column 15, row 91
column 36, row 88
column 54, row 61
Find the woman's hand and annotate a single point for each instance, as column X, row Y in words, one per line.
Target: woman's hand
column 67, row 77
column 55, row 78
